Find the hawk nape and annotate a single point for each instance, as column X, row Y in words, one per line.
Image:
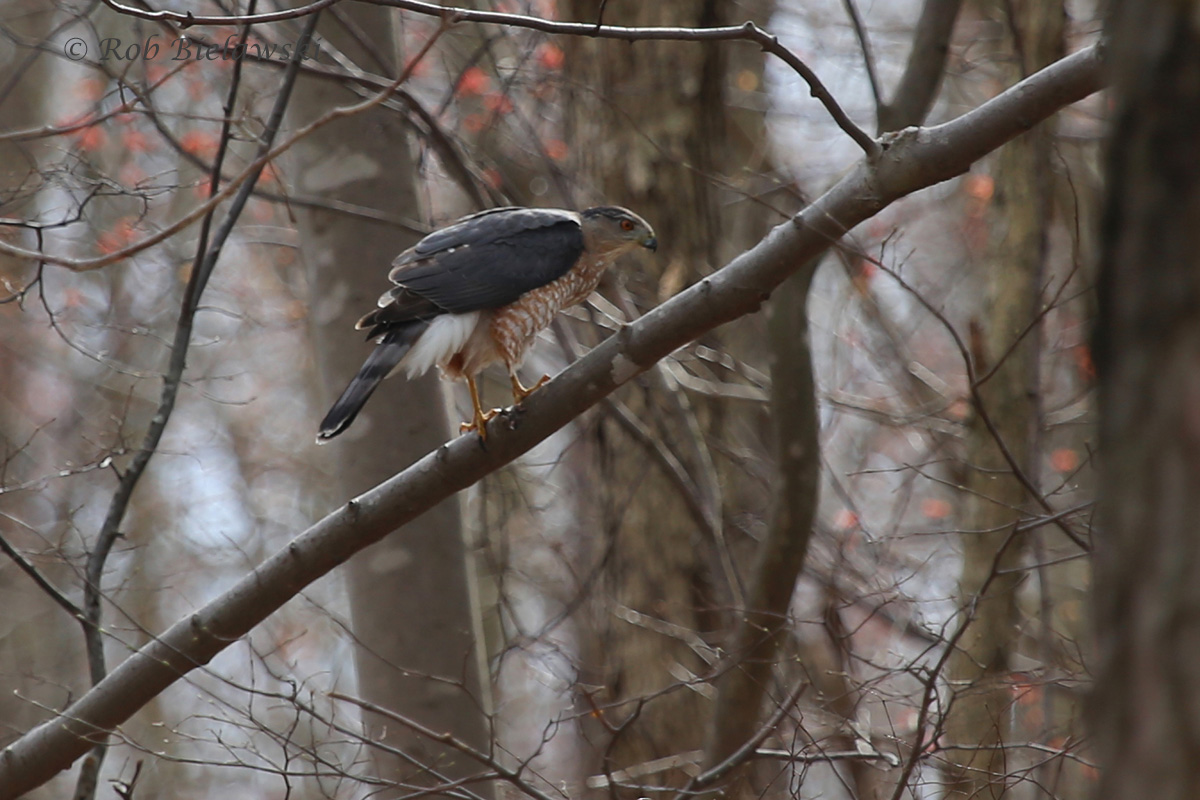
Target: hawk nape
column 479, row 291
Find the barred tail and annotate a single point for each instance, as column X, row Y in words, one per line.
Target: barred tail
column 383, row 359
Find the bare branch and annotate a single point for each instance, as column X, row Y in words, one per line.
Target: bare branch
column 480, row 757
column 973, row 384
column 41, row 580
column 186, row 19
column 747, row 31
column 731, row 761
column 931, row 680
column 864, row 44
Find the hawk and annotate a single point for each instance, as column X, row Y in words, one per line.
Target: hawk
column 479, row 291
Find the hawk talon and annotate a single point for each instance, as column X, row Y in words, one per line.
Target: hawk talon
column 479, row 423
column 520, row 392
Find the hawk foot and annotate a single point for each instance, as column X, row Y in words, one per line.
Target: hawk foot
column 479, row 423
column 520, row 392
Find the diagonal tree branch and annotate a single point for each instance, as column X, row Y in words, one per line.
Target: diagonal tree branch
column 911, row 160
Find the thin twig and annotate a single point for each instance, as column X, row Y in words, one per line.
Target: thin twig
column 674, row 469
column 980, row 407
column 436, row 136
column 931, row 680
column 737, row 757
column 41, row 580
column 450, row 740
column 748, row 31
column 864, row 44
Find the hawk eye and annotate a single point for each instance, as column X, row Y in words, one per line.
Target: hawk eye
column 626, row 224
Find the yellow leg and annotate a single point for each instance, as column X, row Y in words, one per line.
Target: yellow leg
column 520, row 392
column 479, row 423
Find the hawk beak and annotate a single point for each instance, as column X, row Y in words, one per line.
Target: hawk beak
column 650, row 244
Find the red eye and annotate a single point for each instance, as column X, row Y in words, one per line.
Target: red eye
column 626, row 224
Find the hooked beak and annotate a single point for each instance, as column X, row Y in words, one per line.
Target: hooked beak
column 650, row 243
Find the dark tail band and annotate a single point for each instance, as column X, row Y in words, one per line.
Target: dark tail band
column 383, row 359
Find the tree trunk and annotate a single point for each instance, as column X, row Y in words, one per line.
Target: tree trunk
column 764, row 620
column 1146, row 706
column 670, row 129
column 1005, row 352
column 410, row 596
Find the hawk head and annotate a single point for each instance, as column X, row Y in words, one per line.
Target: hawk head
column 616, row 228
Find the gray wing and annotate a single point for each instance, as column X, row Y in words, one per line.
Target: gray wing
column 486, row 260
column 460, row 232
column 489, row 260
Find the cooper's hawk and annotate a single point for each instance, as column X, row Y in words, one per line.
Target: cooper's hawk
column 479, row 291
